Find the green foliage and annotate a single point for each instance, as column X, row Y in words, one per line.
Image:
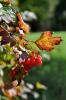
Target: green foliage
column 40, row 8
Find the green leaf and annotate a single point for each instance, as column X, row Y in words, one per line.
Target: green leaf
column 9, row 66
column 8, row 48
column 3, row 98
column 1, row 49
column 32, row 46
column 2, row 64
column 7, row 57
column 7, row 14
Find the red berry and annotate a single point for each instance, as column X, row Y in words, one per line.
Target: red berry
column 26, row 65
column 27, row 69
column 14, row 72
column 27, row 62
column 33, row 60
column 38, row 60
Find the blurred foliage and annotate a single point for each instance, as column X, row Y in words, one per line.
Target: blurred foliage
column 40, row 8
column 51, row 12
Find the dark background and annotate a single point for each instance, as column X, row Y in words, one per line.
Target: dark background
column 51, row 13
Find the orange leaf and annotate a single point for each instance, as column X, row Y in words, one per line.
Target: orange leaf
column 7, row 1
column 47, row 41
column 21, row 42
column 22, row 24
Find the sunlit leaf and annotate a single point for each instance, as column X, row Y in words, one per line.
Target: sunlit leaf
column 2, row 64
column 47, row 41
column 0, row 38
column 22, row 24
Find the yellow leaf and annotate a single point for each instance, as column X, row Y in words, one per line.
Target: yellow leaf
column 2, row 64
column 40, row 86
column 0, row 38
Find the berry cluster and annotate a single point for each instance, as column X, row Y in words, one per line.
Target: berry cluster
column 26, row 65
column 32, row 61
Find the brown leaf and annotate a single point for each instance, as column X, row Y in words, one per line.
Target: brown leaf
column 47, row 41
column 22, row 24
column 20, row 41
column 7, row 1
column 6, row 37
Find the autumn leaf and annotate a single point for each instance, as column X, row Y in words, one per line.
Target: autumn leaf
column 21, row 23
column 47, row 41
column 20, row 41
column 6, row 38
column 7, row 1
